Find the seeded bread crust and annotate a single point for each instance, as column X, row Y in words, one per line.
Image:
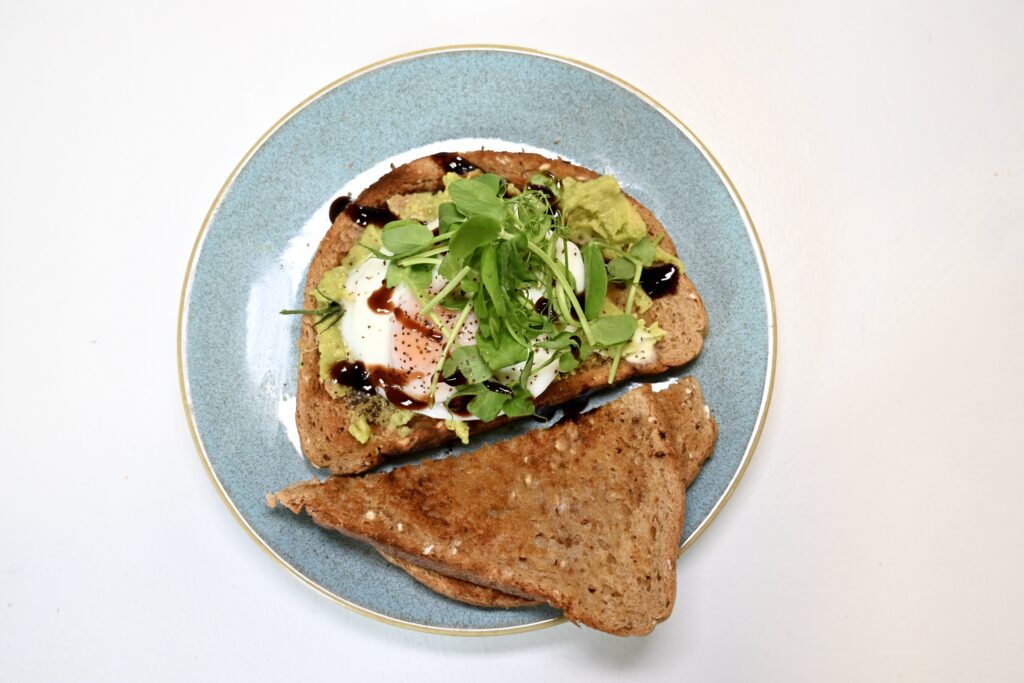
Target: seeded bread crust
column 323, row 420
column 585, row 516
column 691, row 431
column 460, row 590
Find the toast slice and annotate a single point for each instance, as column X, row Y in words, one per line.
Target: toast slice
column 692, row 433
column 585, row 516
column 323, row 420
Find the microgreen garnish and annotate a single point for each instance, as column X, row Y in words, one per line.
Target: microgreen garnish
column 329, row 314
column 499, row 252
column 627, row 266
column 596, row 287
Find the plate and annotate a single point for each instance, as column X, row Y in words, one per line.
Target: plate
column 238, row 357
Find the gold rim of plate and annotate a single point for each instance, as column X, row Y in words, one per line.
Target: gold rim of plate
column 762, row 263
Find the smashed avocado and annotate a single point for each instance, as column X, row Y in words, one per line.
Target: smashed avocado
column 598, row 208
column 375, row 410
column 640, row 349
column 460, row 428
column 359, row 428
column 418, row 206
column 423, row 206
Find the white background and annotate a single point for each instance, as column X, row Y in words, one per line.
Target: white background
column 878, row 532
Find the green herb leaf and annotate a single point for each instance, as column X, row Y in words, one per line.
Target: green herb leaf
column 491, row 280
column 448, row 217
column 519, row 405
column 567, row 362
column 487, row 404
column 474, row 197
column 585, row 350
column 501, row 350
column 469, row 236
column 396, row 274
column 511, row 263
column 643, row 251
column 561, row 341
column 620, row 269
column 596, row 284
column 400, row 237
column 418, row 276
column 475, row 232
column 467, row 360
column 492, row 181
column 665, row 257
column 613, row 329
column 470, row 284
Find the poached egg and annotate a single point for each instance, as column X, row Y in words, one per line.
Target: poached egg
column 400, row 349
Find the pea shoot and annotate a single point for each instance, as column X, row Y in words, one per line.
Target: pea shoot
column 502, row 256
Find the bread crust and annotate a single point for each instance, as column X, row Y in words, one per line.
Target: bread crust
column 460, row 590
column 585, row 516
column 323, row 420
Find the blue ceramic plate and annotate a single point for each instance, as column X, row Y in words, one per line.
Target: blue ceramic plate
column 238, row 357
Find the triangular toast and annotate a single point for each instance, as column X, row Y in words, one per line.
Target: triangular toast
column 585, row 516
column 692, row 433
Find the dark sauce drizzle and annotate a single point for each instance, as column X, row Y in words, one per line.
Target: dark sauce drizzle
column 391, row 381
column 358, row 377
column 453, row 163
column 544, row 413
column 380, row 302
column 571, row 410
column 353, row 375
column 544, row 307
column 659, row 280
column 577, row 343
column 546, row 191
column 547, row 309
column 460, row 405
column 366, row 215
column 337, row 206
column 456, row 379
column 498, row 387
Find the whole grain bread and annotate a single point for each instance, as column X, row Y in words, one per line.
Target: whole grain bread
column 323, row 420
column 692, row 433
column 585, row 516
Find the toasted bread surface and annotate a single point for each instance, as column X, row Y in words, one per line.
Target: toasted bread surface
column 585, row 516
column 323, row 420
column 691, row 431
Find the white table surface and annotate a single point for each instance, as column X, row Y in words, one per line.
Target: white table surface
column 877, row 534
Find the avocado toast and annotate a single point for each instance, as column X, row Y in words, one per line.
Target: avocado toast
column 344, row 422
